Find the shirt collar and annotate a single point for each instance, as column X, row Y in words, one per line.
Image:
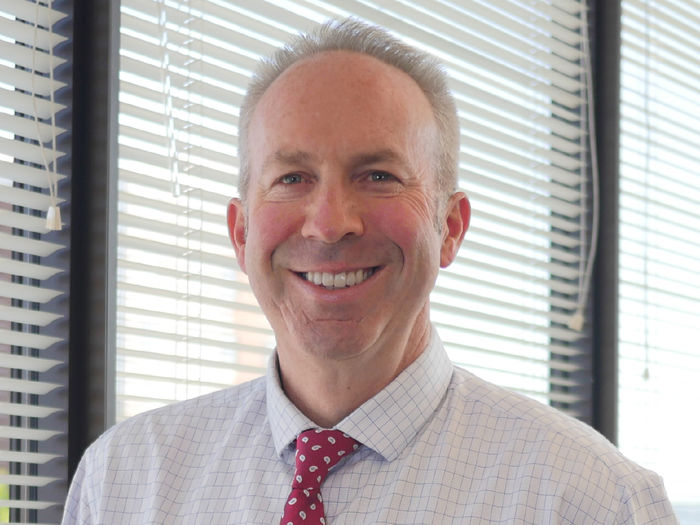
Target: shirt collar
column 387, row 422
column 286, row 420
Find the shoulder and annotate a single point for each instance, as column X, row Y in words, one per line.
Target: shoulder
column 532, row 441
column 192, row 423
column 532, row 424
column 140, row 463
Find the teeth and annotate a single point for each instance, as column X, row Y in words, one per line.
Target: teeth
column 327, row 280
column 337, row 280
column 350, row 280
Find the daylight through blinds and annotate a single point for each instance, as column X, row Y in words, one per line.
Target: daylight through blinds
column 659, row 320
column 29, row 298
column 187, row 322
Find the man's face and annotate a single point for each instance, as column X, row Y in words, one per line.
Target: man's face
column 340, row 235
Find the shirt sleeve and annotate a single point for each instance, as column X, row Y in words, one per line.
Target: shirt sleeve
column 647, row 505
column 77, row 509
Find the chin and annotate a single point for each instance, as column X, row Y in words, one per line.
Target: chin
column 337, row 339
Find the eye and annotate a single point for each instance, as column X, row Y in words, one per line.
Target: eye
column 380, row 176
column 290, row 178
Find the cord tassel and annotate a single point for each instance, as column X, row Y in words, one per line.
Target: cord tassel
column 53, row 218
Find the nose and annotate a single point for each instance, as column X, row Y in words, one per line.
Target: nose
column 332, row 213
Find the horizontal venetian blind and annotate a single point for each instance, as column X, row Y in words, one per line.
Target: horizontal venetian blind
column 187, row 321
column 27, row 297
column 659, row 323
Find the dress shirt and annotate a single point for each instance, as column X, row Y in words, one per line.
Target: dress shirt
column 439, row 446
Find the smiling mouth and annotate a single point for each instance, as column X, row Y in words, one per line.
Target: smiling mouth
column 334, row 281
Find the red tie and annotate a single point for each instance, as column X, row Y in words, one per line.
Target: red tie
column 317, row 451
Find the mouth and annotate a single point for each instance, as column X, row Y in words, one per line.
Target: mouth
column 335, row 281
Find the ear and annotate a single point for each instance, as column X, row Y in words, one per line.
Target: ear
column 235, row 217
column 458, row 213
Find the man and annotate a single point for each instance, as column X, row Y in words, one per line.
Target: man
column 348, row 208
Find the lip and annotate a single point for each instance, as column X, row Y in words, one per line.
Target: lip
column 334, row 268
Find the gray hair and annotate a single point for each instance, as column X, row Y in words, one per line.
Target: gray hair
column 356, row 36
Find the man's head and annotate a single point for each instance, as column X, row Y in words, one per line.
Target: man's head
column 355, row 36
column 342, row 232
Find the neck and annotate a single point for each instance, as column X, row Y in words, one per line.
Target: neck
column 327, row 390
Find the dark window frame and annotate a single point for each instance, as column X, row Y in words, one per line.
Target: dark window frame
column 93, row 220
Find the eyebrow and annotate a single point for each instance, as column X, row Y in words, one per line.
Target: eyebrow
column 290, row 157
column 296, row 157
column 382, row 155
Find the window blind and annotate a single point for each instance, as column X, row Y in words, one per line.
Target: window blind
column 187, row 322
column 28, row 299
column 659, row 322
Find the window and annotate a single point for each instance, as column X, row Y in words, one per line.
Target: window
column 187, row 322
column 659, row 323
column 32, row 273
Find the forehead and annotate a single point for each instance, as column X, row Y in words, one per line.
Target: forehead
column 336, row 100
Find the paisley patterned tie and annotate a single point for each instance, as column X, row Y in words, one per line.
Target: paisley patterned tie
column 317, row 451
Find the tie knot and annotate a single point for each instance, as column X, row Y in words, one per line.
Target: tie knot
column 317, row 451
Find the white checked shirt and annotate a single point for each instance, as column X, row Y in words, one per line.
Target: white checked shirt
column 439, row 446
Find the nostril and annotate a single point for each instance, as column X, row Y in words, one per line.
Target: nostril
column 332, row 225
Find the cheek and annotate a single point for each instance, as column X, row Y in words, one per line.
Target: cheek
column 273, row 224
column 410, row 224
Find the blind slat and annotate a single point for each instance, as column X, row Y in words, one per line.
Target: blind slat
column 26, row 292
column 24, row 56
column 24, row 221
column 27, row 504
column 42, row 38
column 26, row 433
column 30, row 340
column 25, row 245
column 28, row 387
column 32, row 364
column 32, row 481
column 25, row 198
column 43, row 15
column 25, row 410
column 23, row 174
